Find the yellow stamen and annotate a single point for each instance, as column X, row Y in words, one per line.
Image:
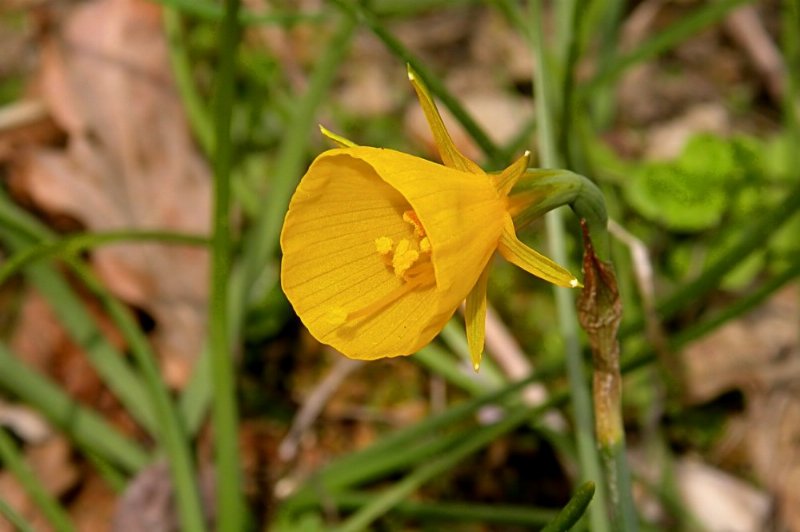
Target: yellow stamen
column 411, row 218
column 425, row 245
column 404, row 257
column 384, row 245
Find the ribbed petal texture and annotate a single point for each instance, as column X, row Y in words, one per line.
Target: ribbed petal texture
column 349, row 199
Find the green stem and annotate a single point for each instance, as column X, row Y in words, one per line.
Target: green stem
column 567, row 317
column 15, row 463
column 74, row 244
column 231, row 507
column 542, row 190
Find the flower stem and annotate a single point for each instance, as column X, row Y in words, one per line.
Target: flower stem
column 579, row 394
column 230, row 501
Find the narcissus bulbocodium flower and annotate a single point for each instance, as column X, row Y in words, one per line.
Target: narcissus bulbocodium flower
column 380, row 247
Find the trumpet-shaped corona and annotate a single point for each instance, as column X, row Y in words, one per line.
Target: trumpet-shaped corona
column 381, row 247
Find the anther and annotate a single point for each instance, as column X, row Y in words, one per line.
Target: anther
column 384, row 245
column 411, row 218
column 425, row 245
column 404, row 257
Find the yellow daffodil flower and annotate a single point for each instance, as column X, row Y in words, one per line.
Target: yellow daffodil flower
column 380, row 247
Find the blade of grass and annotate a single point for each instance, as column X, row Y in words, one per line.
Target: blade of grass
column 198, row 115
column 82, row 425
column 441, row 363
column 567, row 317
column 498, row 514
column 791, row 102
column 574, row 509
column 231, row 508
column 737, row 308
column 402, row 489
column 358, row 467
column 82, row 328
column 455, row 337
column 17, row 521
column 73, row 245
column 255, row 275
column 359, row 12
column 371, row 467
column 171, row 433
column 55, row 514
column 262, row 241
column 705, row 15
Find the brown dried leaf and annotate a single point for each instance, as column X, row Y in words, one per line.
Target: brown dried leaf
column 773, row 436
column 93, row 506
column 751, row 353
column 129, row 163
column 759, row 354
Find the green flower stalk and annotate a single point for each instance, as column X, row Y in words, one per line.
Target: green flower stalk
column 600, row 313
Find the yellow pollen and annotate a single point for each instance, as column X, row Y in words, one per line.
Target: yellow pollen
column 425, row 245
column 384, row 245
column 404, row 257
column 411, row 218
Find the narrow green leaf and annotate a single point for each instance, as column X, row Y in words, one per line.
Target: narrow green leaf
column 13, row 461
column 574, row 509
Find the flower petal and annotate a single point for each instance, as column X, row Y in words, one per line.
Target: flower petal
column 505, row 180
column 349, row 199
column 532, row 261
column 475, row 318
column 451, row 156
column 461, row 213
column 340, row 141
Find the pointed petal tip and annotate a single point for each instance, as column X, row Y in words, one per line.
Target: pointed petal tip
column 476, row 366
column 339, row 140
column 411, row 74
column 574, row 283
